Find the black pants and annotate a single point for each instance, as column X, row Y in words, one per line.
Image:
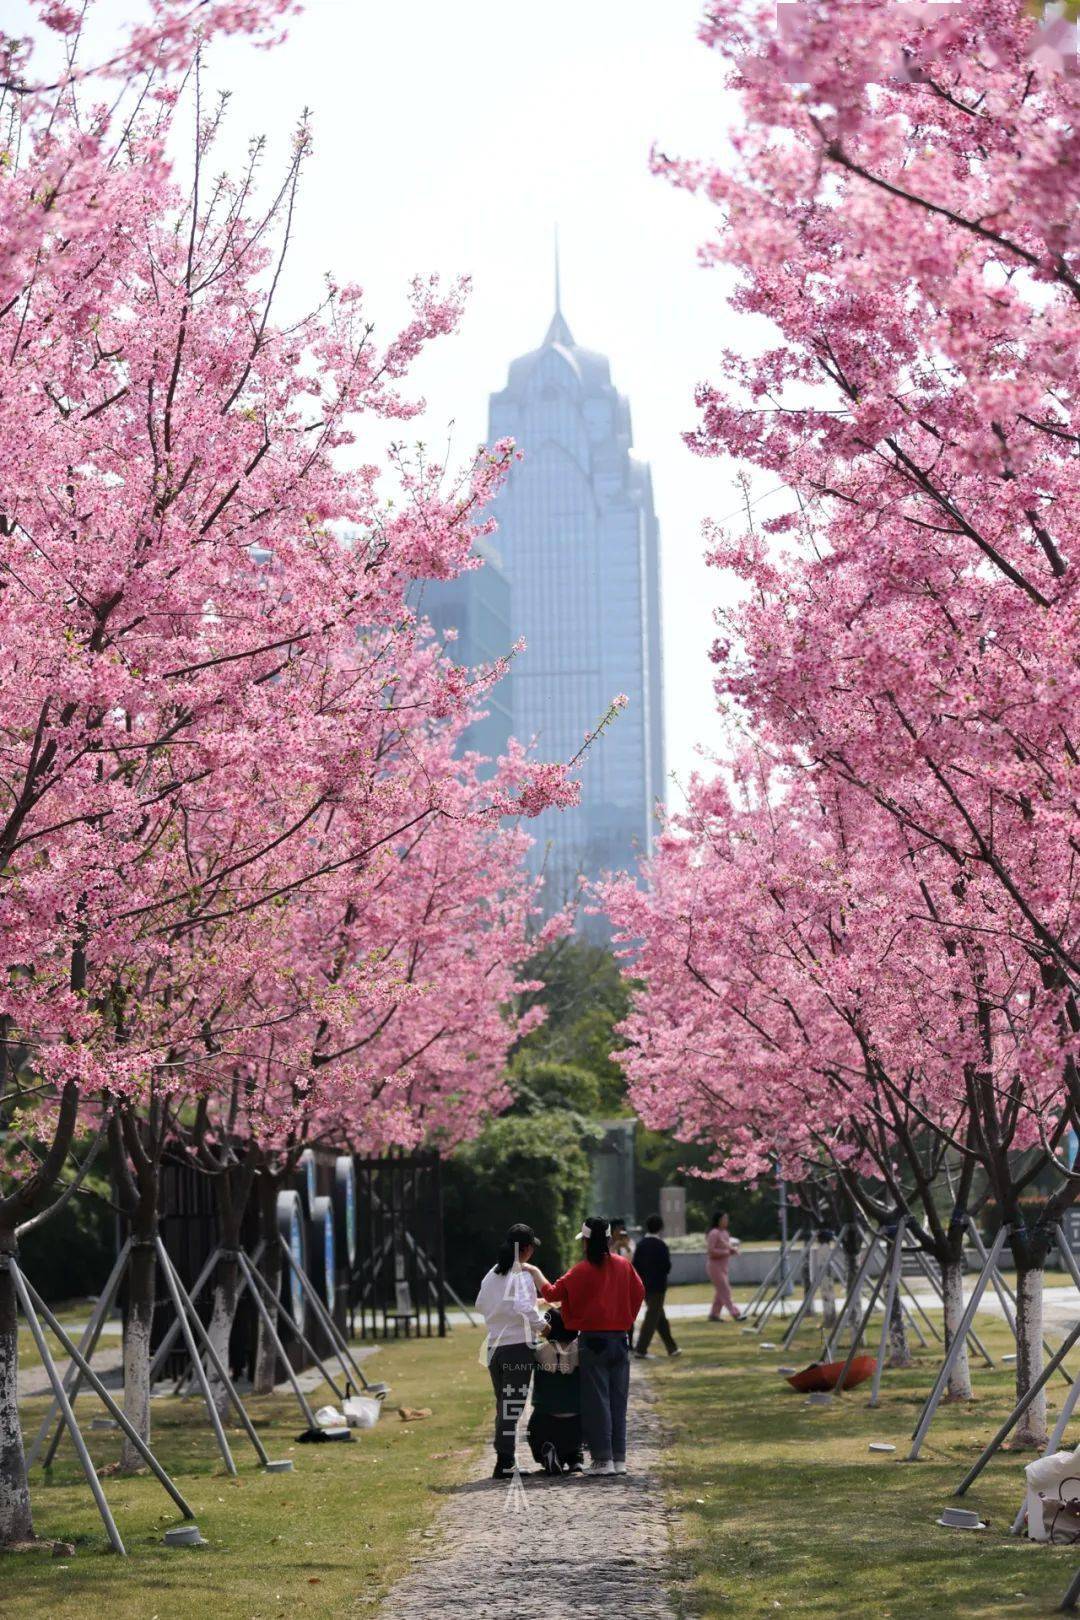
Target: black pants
column 655, row 1322
column 605, row 1387
column 511, row 1369
column 564, row 1433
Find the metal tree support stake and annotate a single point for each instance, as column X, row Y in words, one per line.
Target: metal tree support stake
column 282, row 1314
column 74, row 1376
column 891, row 1295
column 172, row 1333
column 1018, row 1410
column 246, row 1268
column 31, row 1302
column 926, row 1417
column 182, row 1301
column 935, row 1283
column 810, row 1296
column 1072, row 1596
column 851, row 1296
column 1005, row 1294
column 114, row 1410
column 779, row 1265
column 782, row 1287
column 338, row 1342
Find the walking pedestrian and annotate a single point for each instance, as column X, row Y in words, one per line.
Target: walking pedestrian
column 652, row 1262
column 721, row 1247
column 507, row 1302
column 600, row 1298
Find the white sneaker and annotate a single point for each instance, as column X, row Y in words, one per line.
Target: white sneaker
column 601, row 1467
column 619, row 1467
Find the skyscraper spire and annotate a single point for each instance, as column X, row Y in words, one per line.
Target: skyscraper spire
column 558, row 288
column 558, row 331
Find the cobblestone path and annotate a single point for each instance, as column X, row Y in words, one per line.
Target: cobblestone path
column 595, row 1549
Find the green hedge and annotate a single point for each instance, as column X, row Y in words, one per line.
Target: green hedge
column 520, row 1168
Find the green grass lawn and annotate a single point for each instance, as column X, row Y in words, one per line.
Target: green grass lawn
column 783, row 1510
column 326, row 1540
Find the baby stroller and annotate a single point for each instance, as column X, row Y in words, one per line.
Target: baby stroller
column 554, row 1430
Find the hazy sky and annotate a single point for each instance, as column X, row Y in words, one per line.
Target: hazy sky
column 454, row 138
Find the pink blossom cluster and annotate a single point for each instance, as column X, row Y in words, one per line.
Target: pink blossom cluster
column 246, row 877
column 864, row 937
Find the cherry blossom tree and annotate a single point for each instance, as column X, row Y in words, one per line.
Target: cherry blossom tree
column 900, row 205
column 214, row 698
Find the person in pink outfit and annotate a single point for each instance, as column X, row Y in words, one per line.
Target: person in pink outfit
column 721, row 1247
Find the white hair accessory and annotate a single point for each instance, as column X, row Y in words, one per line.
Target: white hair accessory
column 585, row 1232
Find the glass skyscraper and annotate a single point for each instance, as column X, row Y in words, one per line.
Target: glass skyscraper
column 579, row 542
column 476, row 607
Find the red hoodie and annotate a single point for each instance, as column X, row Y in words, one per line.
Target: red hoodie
column 598, row 1299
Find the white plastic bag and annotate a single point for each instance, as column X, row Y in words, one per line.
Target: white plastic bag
column 361, row 1412
column 328, row 1417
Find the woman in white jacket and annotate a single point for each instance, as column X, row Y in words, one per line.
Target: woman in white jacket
column 508, row 1303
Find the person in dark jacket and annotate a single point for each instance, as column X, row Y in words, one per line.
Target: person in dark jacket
column 652, row 1262
column 555, row 1420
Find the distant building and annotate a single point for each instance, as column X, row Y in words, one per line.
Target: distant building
column 476, row 605
column 580, row 545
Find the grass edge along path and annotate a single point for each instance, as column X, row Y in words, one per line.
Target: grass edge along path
column 328, row 1540
column 779, row 1508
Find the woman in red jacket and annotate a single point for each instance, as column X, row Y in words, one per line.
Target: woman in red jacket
column 600, row 1298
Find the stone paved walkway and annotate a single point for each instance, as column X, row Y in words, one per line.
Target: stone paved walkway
column 597, row 1549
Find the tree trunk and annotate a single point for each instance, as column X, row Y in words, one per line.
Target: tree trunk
column 828, row 1300
column 952, row 1287
column 226, row 1292
column 1031, row 1430
column 899, row 1350
column 852, row 1292
column 16, row 1523
column 232, row 1189
column 812, row 1275
column 138, row 1324
column 266, row 1359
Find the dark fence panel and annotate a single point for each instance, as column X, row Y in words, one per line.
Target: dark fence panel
column 398, row 1283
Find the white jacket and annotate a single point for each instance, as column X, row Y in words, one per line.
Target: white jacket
column 508, row 1306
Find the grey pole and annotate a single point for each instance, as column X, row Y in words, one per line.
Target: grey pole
column 776, row 1290
column 917, row 1303
column 170, row 1337
column 199, row 1370
column 860, row 1328
column 763, row 1287
column 910, row 1318
column 973, row 1337
column 1005, row 1292
column 215, row 1360
column 73, row 1376
column 926, row 1417
column 784, row 1246
column 429, row 1268
column 110, row 1405
column 783, row 1287
column 1018, row 1410
column 851, row 1296
column 61, row 1397
column 1072, row 1596
column 891, row 1292
column 294, row 1327
column 338, row 1344
column 1069, row 1403
column 1052, row 1444
column 1002, row 1290
column 275, row 1340
column 808, row 1300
